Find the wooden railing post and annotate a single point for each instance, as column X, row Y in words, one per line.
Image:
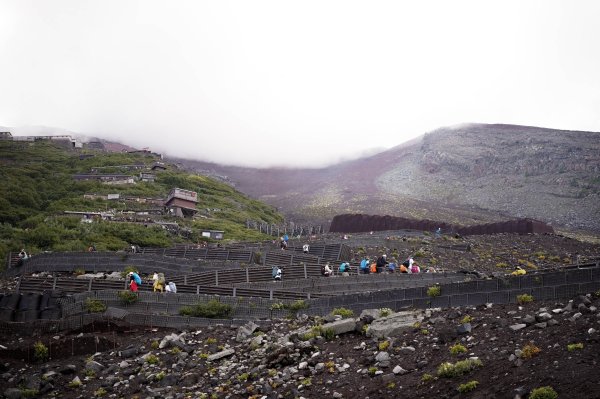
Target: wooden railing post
column 216, row 277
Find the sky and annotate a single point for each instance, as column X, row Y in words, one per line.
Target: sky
column 295, row 83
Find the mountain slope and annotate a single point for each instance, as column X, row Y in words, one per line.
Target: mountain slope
column 37, row 187
column 467, row 174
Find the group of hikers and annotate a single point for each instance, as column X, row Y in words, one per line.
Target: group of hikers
column 158, row 283
column 379, row 265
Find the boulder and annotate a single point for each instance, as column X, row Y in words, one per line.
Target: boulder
column 394, row 324
column 246, row 331
column 341, row 326
column 220, row 355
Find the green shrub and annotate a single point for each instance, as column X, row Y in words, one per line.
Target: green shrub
column 434, row 291
column 427, row 377
column 466, row 319
column 277, row 306
column 459, row 368
column 79, row 271
column 210, row 341
column 100, row 392
column 154, row 345
column 95, row 305
column 457, row 349
column 385, row 312
column 372, row 370
column 467, row 387
column 243, row 377
column 524, row 298
column 297, row 305
column 383, row 345
column 40, row 351
column 546, row 392
column 159, row 376
column 573, row 347
column 128, row 297
column 212, row 309
column 345, row 313
column 529, row 351
column 152, row 359
column 89, row 373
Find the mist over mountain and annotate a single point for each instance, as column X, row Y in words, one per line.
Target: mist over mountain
column 468, row 173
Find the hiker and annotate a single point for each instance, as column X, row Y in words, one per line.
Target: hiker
column 414, row 268
column 519, row 271
column 171, row 287
column 404, row 267
column 373, row 268
column 326, row 270
column 91, row 248
column 305, row 248
column 286, row 238
column 438, row 232
column 392, row 266
column 23, row 255
column 134, row 281
column 276, row 273
column 345, row 268
column 364, row 265
column 381, row 262
column 158, row 282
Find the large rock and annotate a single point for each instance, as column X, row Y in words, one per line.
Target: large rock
column 394, row 324
column 220, row 355
column 245, row 331
column 341, row 326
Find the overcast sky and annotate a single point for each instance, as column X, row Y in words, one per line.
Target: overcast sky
column 300, row 83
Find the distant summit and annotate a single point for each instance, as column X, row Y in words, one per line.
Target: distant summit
column 464, row 174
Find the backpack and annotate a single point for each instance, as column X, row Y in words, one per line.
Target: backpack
column 161, row 279
column 343, row 267
column 403, row 268
column 406, row 263
column 414, row 269
column 323, row 269
column 373, row 267
column 137, row 278
column 364, row 264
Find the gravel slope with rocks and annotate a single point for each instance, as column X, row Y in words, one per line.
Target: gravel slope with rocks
column 512, row 350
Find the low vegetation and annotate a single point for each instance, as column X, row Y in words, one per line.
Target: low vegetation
column 467, row 387
column 345, row 313
column 128, row 297
column 524, row 298
column 458, row 349
column 575, row 347
column 95, row 305
column 212, row 309
column 546, row 392
column 38, row 186
column 40, row 351
column 434, row 291
column 450, row 370
column 529, row 351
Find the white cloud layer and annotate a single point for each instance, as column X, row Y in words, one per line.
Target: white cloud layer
column 295, row 83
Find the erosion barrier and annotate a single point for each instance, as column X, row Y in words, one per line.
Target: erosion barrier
column 357, row 223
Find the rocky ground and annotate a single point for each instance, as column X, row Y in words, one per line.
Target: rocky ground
column 509, row 350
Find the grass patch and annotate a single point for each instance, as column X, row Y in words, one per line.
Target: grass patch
column 546, row 392
column 128, row 297
column 457, row 349
column 40, row 351
column 529, row 351
column 524, row 298
column 467, row 387
column 95, row 305
column 212, row 309
column 345, row 313
column 434, row 291
column 449, row 370
column 575, row 347
column 385, row 312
